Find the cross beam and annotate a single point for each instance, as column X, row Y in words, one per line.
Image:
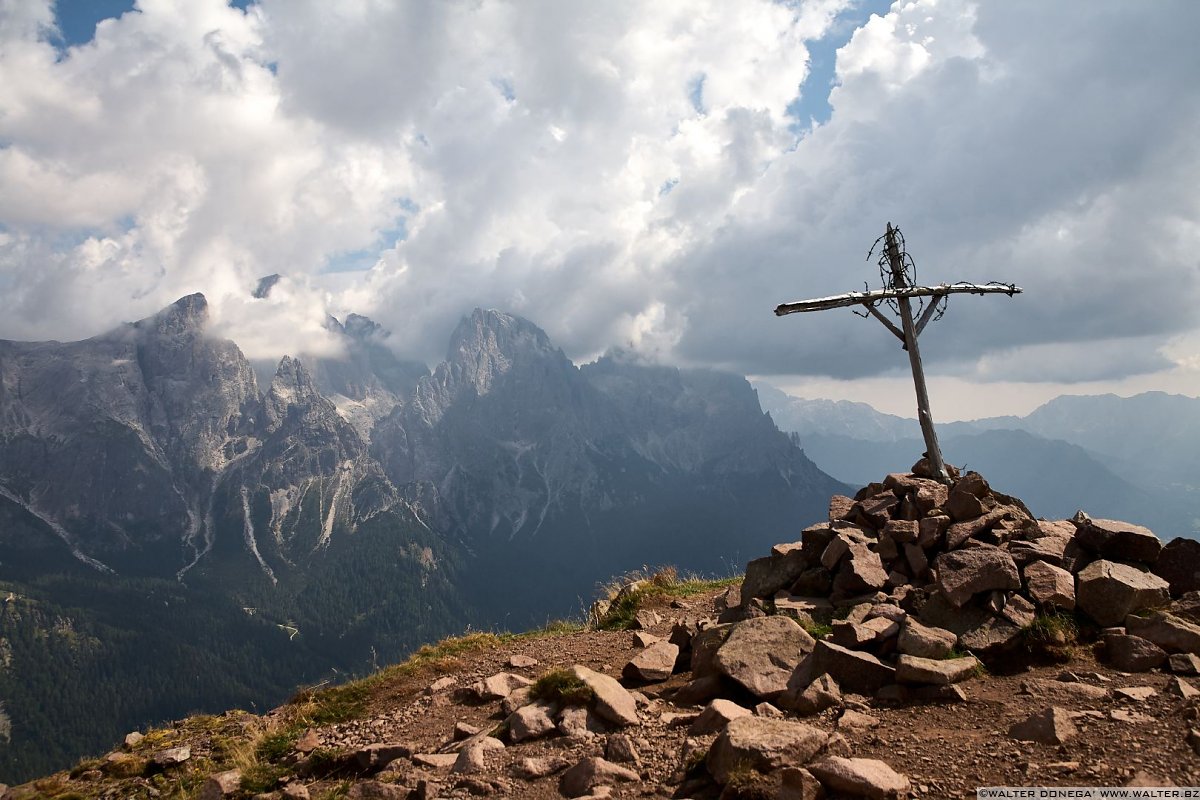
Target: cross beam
column 899, row 290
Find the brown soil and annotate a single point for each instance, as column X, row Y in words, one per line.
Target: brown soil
column 946, row 750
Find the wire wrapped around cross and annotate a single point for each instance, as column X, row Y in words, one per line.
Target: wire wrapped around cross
column 898, row 273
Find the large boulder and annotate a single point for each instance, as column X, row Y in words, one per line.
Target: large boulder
column 860, row 571
column 716, row 716
column 1132, row 653
column 994, row 636
column 766, row 576
column 819, row 695
column 958, row 533
column 613, row 702
column 498, row 686
column 876, row 510
column 963, row 505
column 854, row 670
column 964, row 573
column 1052, row 725
column 1108, row 592
column 764, row 745
column 531, row 721
column 705, row 644
column 925, row 641
column 762, row 653
column 1119, row 541
column 655, row 663
column 1050, row 586
column 928, row 671
column 1166, row 630
column 592, row 772
column 860, row 777
column 1179, row 565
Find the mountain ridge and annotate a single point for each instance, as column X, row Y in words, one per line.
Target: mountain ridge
column 504, row 481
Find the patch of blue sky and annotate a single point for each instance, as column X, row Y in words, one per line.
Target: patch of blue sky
column 63, row 239
column 505, row 87
column 364, row 258
column 812, row 106
column 696, row 93
column 667, row 186
column 77, row 19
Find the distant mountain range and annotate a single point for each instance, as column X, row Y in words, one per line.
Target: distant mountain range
column 182, row 529
column 1135, row 458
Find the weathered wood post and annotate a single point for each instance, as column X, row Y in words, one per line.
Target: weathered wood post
column 932, row 449
column 900, row 291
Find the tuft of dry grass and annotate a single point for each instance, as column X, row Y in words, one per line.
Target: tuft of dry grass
column 626, row 593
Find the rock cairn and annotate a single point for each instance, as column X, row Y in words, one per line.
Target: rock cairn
column 902, row 594
column 913, row 569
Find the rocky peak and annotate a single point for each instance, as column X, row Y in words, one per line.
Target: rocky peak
column 488, row 344
column 360, row 327
column 265, row 285
column 186, row 315
column 292, row 386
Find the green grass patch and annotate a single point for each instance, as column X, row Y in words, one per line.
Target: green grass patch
column 842, row 612
column 261, row 778
column 556, row 627
column 561, row 686
column 817, row 630
column 665, row 582
column 1059, row 629
column 339, row 792
column 85, row 766
column 1051, row 637
column 275, row 746
column 746, row 783
column 328, row 705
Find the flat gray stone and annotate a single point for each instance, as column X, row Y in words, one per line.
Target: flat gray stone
column 915, row 670
column 531, row 722
column 592, row 772
column 499, row 686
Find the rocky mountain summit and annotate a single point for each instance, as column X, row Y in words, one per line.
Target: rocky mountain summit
column 922, row 641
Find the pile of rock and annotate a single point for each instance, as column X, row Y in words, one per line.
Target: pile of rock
column 915, row 568
column 900, row 594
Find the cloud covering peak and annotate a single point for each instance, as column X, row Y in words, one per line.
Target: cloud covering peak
column 630, row 175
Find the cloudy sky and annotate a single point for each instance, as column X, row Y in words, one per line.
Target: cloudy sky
column 653, row 175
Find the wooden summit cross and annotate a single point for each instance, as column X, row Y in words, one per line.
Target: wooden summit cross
column 898, row 272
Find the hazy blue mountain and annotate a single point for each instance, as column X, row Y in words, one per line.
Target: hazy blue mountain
column 560, row 476
column 1095, row 453
column 834, row 417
